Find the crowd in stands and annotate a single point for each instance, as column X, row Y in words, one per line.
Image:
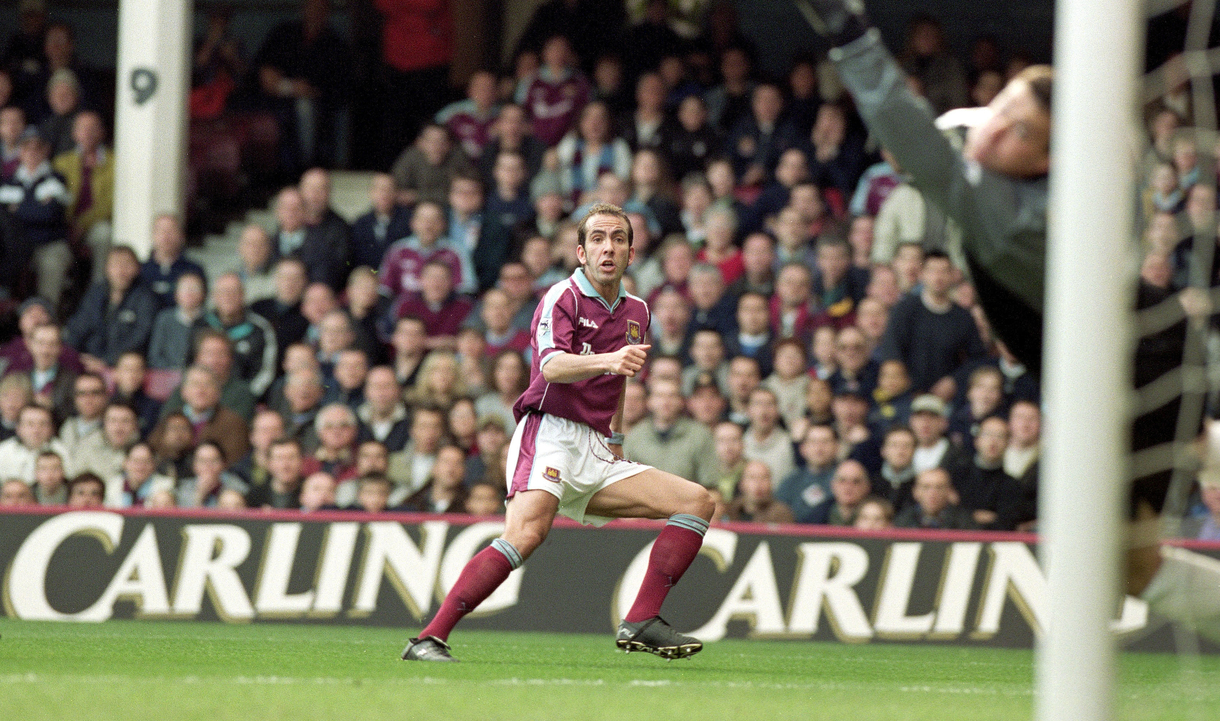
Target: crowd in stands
column 817, row 355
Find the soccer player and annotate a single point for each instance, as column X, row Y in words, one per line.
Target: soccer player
column 996, row 190
column 566, row 455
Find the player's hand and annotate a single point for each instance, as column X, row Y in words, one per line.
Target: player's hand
column 841, row 21
column 628, row 360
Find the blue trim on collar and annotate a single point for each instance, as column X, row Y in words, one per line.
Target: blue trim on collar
column 586, row 288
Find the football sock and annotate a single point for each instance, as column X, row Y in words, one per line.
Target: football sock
column 1186, row 589
column 672, row 553
column 483, row 574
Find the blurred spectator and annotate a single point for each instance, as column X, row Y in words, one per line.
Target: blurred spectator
column 210, row 420
column 875, row 514
column 105, row 452
column 754, row 336
column 1024, row 445
column 935, row 505
column 218, row 65
column 318, row 492
column 471, row 120
column 759, row 137
column 410, row 468
column 303, row 75
column 385, row 222
column 437, row 304
column 256, row 263
column 383, row 415
column 838, row 285
column 251, row 336
column 35, row 435
column 465, row 228
column 556, row 94
column 86, row 491
column 203, row 488
column 757, row 503
column 325, row 250
column 445, row 491
column 283, row 310
column 12, row 127
column 169, row 344
column 283, row 489
column 854, row 371
column 491, row 439
column 214, row 352
column 425, row 168
column 84, row 426
column 792, row 167
column 416, row 49
column 63, row 89
column 892, row 397
column 115, row 316
column 138, row 480
column 373, row 493
column 927, row 58
column 694, row 140
column 994, row 498
column 37, row 198
column 347, row 379
column 173, row 441
column 984, row 398
column 765, row 439
column 409, row 344
column 849, row 487
column 51, row 382
column 730, row 101
column 50, row 481
column 25, row 48
column 729, row 448
column 930, row 333
column 789, row 380
column 335, row 427
column 651, row 187
column 590, row 150
column 805, row 489
column 167, row 262
column 485, row 499
column 266, row 428
column 302, row 398
column 837, row 157
column 511, row 133
column 670, row 441
column 15, row 492
column 509, row 377
column 88, row 171
column 15, row 394
column 403, row 263
column 758, row 260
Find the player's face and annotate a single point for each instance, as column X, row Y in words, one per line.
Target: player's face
column 1015, row 138
column 606, row 252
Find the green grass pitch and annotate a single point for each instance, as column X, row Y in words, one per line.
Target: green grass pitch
column 166, row 670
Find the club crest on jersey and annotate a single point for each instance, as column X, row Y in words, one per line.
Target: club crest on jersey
column 633, row 332
column 551, row 474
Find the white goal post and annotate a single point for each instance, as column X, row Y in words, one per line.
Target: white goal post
column 1087, row 370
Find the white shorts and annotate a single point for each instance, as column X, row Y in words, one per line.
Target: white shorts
column 568, row 460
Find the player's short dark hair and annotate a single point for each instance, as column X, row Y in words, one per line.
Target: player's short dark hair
column 1040, row 79
column 582, row 230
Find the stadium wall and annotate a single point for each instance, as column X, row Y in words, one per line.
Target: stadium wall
column 340, row 568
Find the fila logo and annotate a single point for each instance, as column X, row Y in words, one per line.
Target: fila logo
column 586, row 323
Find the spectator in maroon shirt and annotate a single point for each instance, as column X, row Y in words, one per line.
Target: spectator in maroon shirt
column 437, row 305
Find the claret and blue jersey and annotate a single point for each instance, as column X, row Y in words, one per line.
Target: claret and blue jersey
column 574, row 318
